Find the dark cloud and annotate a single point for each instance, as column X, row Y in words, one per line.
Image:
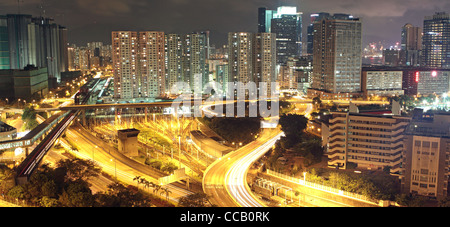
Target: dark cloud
column 93, row 20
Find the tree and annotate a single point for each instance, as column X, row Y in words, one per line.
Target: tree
column 242, row 129
column 198, row 199
column 138, row 180
column 78, row 169
column 316, row 101
column 29, row 117
column 6, row 179
column 293, row 126
column 48, row 202
column 77, row 194
column 49, row 189
column 17, row 192
column 167, row 191
column 169, row 167
column 118, row 195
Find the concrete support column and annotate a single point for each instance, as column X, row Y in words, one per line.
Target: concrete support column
column 83, row 117
column 146, row 113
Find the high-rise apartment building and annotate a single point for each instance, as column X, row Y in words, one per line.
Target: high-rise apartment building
column 411, row 44
column 286, row 23
column 196, row 58
column 174, row 70
column 125, row 64
column 264, row 60
column 252, row 58
column 240, row 45
column 84, row 59
column 426, row 155
column 337, row 57
column 151, row 57
column 436, row 41
column 139, row 64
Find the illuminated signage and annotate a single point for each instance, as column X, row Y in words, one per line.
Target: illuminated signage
column 417, row 77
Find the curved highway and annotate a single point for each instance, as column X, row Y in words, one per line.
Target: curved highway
column 225, row 181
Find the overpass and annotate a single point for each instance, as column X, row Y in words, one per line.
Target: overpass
column 31, row 137
column 61, row 123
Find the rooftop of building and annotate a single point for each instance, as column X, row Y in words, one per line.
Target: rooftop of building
column 432, row 123
column 400, row 68
column 5, row 127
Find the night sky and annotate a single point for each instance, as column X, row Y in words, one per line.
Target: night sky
column 93, row 20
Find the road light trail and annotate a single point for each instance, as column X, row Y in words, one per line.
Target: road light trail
column 236, row 177
column 225, row 180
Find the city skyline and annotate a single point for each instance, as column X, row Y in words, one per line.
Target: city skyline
column 220, row 103
column 88, row 20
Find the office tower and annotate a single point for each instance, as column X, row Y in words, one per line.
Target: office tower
column 37, row 41
column 371, row 141
column 50, row 56
column 174, row 70
column 19, row 40
column 436, row 41
column 4, row 43
column 303, row 68
column 63, row 55
column 337, row 57
column 264, row 60
column 411, row 44
column 262, row 19
column 425, row 155
column 125, row 64
column 310, row 31
column 286, row 23
column 151, row 64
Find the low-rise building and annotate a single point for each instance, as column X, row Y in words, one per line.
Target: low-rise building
column 368, row 141
column 7, row 132
column 381, row 82
column 25, row 83
column 426, row 154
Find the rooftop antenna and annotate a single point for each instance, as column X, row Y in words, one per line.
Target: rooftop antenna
column 42, row 9
column 18, row 6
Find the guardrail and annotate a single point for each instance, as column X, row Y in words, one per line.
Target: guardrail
column 332, row 190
